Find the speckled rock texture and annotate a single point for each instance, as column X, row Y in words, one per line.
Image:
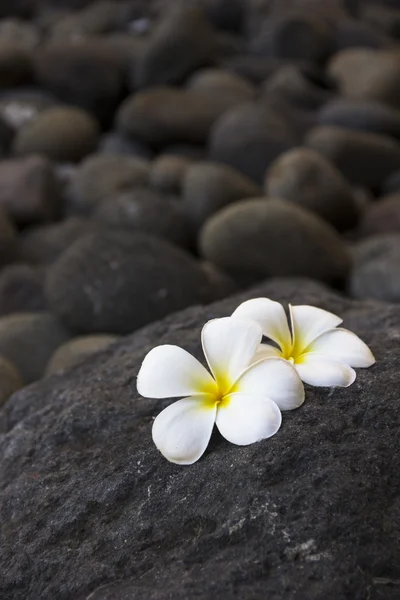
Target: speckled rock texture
column 91, row 511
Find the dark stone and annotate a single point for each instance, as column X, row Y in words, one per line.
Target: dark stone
column 43, row 244
column 294, row 36
column 116, row 282
column 304, row 177
column 226, row 14
column 18, row 34
column 367, row 74
column 115, row 143
column 383, row 18
column 88, row 74
column 382, row 216
column 163, row 115
column 208, row 187
column 74, row 351
column 350, row 33
column 8, row 239
column 365, row 158
column 28, row 190
column 249, row 137
column 15, row 66
column 254, row 68
column 61, row 133
column 262, row 238
column 363, row 115
column 183, row 42
column 10, row 380
column 376, row 270
column 28, row 340
column 94, row 512
column 103, row 176
column 307, row 89
column 392, row 183
column 21, row 290
column 145, row 210
column 186, row 150
column 234, row 89
column 167, row 172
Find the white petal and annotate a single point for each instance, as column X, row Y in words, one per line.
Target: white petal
column 244, row 419
column 323, row 371
column 229, row 346
column 275, row 378
column 345, row 346
column 182, row 431
column 271, row 316
column 169, row 372
column 308, row 322
column 266, row 351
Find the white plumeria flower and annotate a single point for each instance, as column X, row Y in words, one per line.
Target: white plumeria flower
column 322, row 353
column 242, row 397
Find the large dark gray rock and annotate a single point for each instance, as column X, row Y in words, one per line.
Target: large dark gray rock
column 118, row 281
column 90, row 509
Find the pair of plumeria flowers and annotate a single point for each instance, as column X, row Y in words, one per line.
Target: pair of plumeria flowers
column 250, row 382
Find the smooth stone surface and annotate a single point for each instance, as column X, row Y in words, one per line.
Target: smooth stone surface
column 116, row 282
column 88, row 74
column 43, row 244
column 303, row 87
column 261, row 238
column 364, row 158
column 8, row 239
column 208, row 187
column 103, row 176
column 183, row 41
column 18, row 106
column 367, row 74
column 376, row 271
column 21, row 290
column 167, row 172
column 220, row 82
column 392, row 183
column 350, row 33
column 249, row 138
column 29, row 339
column 305, row 178
column 28, row 190
column 364, row 115
column 86, row 495
column 15, row 65
column 76, row 350
column 166, row 114
column 115, row 143
column 61, row 133
column 382, row 216
column 147, row 211
column 10, row 380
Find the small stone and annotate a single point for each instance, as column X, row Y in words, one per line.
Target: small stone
column 303, row 87
column 28, row 190
column 382, row 217
column 183, row 42
column 363, row 115
column 64, row 134
column 376, row 271
column 294, row 36
column 42, row 245
column 208, row 187
column 103, row 176
column 18, row 34
column 350, row 33
column 249, row 137
column 262, row 238
column 10, row 380
column 219, row 82
column 392, row 183
column 145, row 210
column 88, row 74
column 21, row 290
column 186, row 150
column 255, row 69
column 115, row 143
column 367, row 74
column 226, row 14
column 163, row 115
column 167, row 173
column 364, row 158
column 305, row 178
column 116, row 282
column 8, row 239
column 76, row 350
column 28, row 340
